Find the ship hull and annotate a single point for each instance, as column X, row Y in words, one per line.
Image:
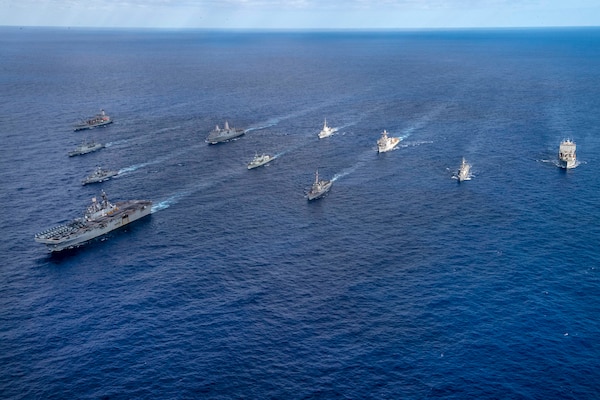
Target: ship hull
column 224, row 138
column 566, row 164
column 127, row 213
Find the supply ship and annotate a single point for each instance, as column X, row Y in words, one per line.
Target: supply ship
column 566, row 154
column 98, row 120
column 100, row 218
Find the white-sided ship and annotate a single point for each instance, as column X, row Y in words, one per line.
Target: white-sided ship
column 97, row 120
column 386, row 143
column 219, row 135
column 100, row 218
column 99, row 175
column 259, row 160
column 326, row 131
column 318, row 188
column 86, row 147
column 567, row 157
column 464, row 171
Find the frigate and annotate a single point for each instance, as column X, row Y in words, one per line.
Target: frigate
column 259, row 160
column 218, row 135
column 326, row 131
column 97, row 120
column 386, row 143
column 100, row 218
column 99, row 175
column 566, row 154
column 319, row 188
column 86, row 147
column 464, row 171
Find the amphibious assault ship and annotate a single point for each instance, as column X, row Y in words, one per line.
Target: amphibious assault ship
column 218, row 135
column 319, row 188
column 566, row 154
column 100, row 218
column 98, row 120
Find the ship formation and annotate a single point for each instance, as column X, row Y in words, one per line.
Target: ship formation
column 100, row 218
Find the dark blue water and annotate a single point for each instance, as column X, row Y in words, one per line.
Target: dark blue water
column 400, row 283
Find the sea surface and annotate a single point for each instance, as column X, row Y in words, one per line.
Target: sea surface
column 401, row 283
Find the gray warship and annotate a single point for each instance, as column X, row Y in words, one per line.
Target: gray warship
column 567, row 157
column 100, row 218
column 99, row 175
column 86, row 147
column 97, row 120
column 319, row 188
column 259, row 160
column 218, row 135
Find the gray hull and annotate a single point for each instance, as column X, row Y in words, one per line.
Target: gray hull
column 91, row 126
column 224, row 136
column 78, row 232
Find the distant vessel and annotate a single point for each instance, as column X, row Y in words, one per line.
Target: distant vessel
column 97, row 120
column 99, row 175
column 218, row 135
column 86, row 147
column 386, row 143
column 326, row 131
column 566, row 154
column 319, row 188
column 259, row 160
column 99, row 219
column 464, row 172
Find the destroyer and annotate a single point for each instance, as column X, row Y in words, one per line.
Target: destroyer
column 99, row 219
column 99, row 175
column 257, row 161
column 319, row 188
column 97, row 120
column 386, row 143
column 464, row 172
column 326, row 131
column 566, row 154
column 218, row 135
column 86, row 147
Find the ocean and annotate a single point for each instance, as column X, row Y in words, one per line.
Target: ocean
column 401, row 283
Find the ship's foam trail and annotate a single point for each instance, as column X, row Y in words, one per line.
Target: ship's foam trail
column 162, row 205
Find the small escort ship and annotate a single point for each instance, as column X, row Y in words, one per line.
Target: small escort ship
column 386, row 143
column 326, row 131
column 464, row 171
column 319, row 188
column 259, row 160
column 99, row 175
column 100, row 218
column 98, row 120
column 86, row 147
column 567, row 158
column 219, row 135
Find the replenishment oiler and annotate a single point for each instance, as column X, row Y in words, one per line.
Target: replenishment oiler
column 567, row 158
column 98, row 120
column 100, row 218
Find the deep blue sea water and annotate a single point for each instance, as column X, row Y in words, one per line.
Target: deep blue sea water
column 399, row 284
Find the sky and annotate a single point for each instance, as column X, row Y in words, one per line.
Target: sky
column 300, row 14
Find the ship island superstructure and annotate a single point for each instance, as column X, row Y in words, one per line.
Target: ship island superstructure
column 318, row 188
column 100, row 218
column 326, row 131
column 386, row 143
column 259, row 160
column 567, row 157
column 224, row 134
column 97, row 120
column 464, row 171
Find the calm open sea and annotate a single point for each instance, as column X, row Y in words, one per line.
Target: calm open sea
column 400, row 284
